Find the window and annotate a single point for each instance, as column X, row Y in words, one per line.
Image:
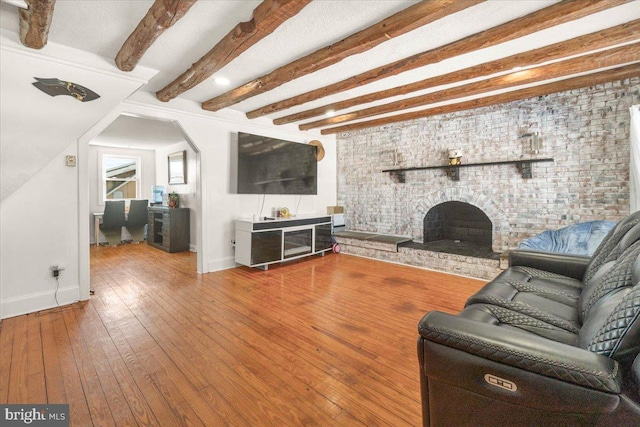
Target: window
column 120, row 177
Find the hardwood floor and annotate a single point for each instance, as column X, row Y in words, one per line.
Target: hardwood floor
column 326, row 341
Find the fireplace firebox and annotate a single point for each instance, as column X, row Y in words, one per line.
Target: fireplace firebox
column 457, row 228
column 458, row 221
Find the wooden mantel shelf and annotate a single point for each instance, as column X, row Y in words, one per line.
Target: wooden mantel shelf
column 454, row 171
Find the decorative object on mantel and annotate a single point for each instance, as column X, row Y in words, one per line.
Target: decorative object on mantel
column 455, row 157
column 397, row 158
column 55, row 87
column 319, row 149
column 174, row 200
column 534, row 140
column 524, row 165
column 536, row 143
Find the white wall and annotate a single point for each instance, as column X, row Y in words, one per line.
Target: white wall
column 39, row 229
column 39, row 216
column 45, row 219
column 147, row 176
column 211, row 137
column 35, row 126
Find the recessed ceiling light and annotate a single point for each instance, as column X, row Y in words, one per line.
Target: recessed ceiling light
column 222, row 81
column 330, row 113
column 516, row 69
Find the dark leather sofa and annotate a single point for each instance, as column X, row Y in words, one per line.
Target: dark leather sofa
column 553, row 340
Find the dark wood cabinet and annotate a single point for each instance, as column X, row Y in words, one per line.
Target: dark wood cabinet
column 169, row 228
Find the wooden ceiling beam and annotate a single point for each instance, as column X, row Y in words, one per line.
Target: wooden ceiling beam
column 161, row 15
column 602, row 39
column 268, row 16
column 582, row 64
column 556, row 14
column 618, row 73
column 409, row 19
column 35, row 23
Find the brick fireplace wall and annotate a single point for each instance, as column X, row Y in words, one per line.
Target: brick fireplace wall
column 586, row 131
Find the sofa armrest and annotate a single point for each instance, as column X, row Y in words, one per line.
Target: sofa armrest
column 565, row 264
column 524, row 351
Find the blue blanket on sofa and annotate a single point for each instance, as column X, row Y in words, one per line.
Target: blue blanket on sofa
column 578, row 239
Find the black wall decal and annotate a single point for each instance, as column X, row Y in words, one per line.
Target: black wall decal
column 55, row 87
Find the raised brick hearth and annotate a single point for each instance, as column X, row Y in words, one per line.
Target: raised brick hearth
column 585, row 131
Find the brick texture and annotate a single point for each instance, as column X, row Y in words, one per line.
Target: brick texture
column 586, row 131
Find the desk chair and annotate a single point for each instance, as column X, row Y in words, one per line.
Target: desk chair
column 137, row 219
column 112, row 222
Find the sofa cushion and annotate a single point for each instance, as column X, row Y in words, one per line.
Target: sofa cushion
column 609, row 249
column 516, row 282
column 561, row 319
column 558, row 308
column 545, row 264
column 522, row 319
column 535, row 276
column 619, row 335
column 530, row 290
column 611, row 275
column 613, row 326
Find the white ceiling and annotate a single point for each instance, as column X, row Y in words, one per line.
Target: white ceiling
column 102, row 26
column 139, row 133
column 36, row 127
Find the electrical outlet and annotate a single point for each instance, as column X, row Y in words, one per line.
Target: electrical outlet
column 55, row 270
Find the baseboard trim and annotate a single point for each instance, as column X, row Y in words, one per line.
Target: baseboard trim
column 221, row 264
column 39, row 301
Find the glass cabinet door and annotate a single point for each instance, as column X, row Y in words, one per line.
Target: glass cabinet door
column 266, row 246
column 323, row 237
column 297, row 243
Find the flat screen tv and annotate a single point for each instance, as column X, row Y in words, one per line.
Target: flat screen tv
column 263, row 165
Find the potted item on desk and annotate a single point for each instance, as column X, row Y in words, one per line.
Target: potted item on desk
column 174, row 200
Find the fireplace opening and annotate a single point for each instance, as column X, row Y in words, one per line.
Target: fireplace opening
column 458, row 221
column 457, row 228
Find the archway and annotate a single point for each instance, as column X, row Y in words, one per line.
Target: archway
column 146, row 112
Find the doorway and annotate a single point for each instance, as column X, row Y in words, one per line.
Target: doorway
column 152, row 139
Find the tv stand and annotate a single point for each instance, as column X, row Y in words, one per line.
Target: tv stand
column 261, row 243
